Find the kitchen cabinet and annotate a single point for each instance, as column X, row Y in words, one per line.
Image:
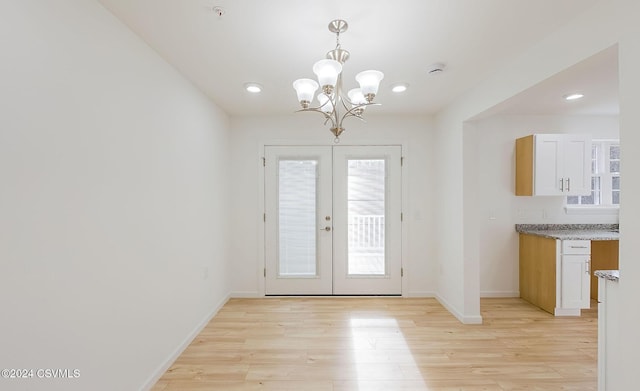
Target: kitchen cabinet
column 575, row 276
column 554, row 274
column 538, row 271
column 553, row 164
column 604, row 256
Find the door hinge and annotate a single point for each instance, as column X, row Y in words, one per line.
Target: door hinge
column 401, row 216
column 265, row 271
column 264, row 162
column 401, row 272
column 402, row 161
column 264, row 217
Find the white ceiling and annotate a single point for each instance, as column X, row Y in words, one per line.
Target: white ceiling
column 596, row 77
column 277, row 41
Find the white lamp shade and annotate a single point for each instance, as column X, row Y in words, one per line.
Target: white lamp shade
column 356, row 97
column 305, row 88
column 327, row 72
column 325, row 104
column 369, row 81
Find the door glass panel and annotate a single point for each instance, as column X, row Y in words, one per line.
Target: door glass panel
column 297, row 218
column 366, row 217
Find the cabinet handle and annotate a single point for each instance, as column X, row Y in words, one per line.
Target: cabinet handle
column 587, row 266
column 568, row 184
column 578, row 246
column 561, row 184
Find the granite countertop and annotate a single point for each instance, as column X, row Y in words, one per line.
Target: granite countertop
column 612, row 275
column 572, row 231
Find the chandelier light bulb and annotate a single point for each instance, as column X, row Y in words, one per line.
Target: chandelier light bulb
column 305, row 88
column 356, row 97
column 327, row 72
column 326, row 105
column 369, row 82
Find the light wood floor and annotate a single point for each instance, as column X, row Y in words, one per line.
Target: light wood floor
column 388, row 344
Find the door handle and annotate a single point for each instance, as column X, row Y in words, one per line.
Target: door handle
column 327, row 228
column 568, row 184
column 587, row 267
column 561, row 184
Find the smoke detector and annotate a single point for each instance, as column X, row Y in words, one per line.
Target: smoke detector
column 436, row 68
column 217, row 10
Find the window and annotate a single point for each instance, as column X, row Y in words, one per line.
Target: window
column 605, row 176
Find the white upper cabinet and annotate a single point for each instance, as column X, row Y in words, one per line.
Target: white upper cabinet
column 553, row 164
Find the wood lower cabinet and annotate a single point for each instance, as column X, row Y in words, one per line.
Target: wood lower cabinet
column 538, row 271
column 604, row 256
column 555, row 274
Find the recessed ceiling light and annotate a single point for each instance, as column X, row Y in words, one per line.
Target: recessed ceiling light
column 399, row 87
column 573, row 96
column 253, row 87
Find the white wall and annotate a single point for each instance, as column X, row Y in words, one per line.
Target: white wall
column 113, row 238
column 419, row 228
column 491, row 154
column 624, row 354
column 449, row 214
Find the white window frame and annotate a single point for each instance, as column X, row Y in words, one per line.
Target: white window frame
column 603, row 172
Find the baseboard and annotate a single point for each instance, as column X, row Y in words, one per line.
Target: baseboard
column 496, row 294
column 567, row 312
column 420, row 294
column 245, row 295
column 153, row 379
column 254, row 294
column 476, row 319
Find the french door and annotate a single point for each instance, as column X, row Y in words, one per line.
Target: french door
column 333, row 220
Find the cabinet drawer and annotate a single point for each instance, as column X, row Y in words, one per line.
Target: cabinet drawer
column 576, row 247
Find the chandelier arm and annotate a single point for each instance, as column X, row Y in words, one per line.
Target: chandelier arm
column 351, row 112
column 361, row 118
column 336, row 120
column 344, row 102
column 337, row 97
column 318, row 110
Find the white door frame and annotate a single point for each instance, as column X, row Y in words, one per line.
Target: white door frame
column 259, row 146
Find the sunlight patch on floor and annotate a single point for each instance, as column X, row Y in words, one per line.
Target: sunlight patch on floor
column 381, row 353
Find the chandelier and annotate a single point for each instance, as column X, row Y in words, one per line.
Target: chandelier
column 332, row 104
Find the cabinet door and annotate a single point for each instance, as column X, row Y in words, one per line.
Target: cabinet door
column 562, row 164
column 575, row 281
column 548, row 164
column 577, row 165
